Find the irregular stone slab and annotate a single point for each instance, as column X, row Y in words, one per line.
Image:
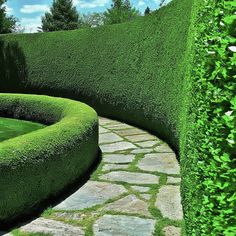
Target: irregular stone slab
column 173, row 180
column 142, row 150
column 147, row 144
column 117, row 225
column 130, row 131
column 118, row 158
column 140, row 189
column 172, row 231
column 108, row 167
column 161, row 162
column 141, row 137
column 68, row 215
column 146, row 196
column 105, row 121
column 119, row 146
column 119, row 126
column 129, row 204
column 163, row 148
column 52, row 227
column 109, row 138
column 91, row 194
column 103, row 130
column 131, row 177
column 169, row 202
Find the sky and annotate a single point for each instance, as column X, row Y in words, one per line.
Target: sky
column 29, row 12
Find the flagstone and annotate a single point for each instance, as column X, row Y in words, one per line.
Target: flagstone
column 118, row 158
column 160, row 162
column 131, row 177
column 123, row 225
column 119, row 146
column 91, row 194
column 168, row 201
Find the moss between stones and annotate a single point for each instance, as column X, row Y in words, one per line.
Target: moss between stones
column 37, row 165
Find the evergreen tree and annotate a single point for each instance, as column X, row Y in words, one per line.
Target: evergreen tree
column 162, row 3
column 147, row 11
column 7, row 23
column 62, row 16
column 120, row 11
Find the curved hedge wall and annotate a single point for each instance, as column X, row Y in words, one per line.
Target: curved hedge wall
column 39, row 164
column 132, row 71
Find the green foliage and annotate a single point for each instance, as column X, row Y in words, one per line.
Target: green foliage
column 120, row 11
column 135, row 60
column 7, row 23
column 62, row 16
column 40, row 164
column 147, row 11
column 92, row 20
column 210, row 148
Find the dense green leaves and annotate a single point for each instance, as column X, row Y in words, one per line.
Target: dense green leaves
column 42, row 163
column 211, row 135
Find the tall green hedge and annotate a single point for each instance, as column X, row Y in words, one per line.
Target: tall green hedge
column 170, row 72
column 132, row 71
column 38, row 165
column 208, row 158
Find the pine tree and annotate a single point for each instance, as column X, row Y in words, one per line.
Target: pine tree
column 147, row 11
column 62, row 16
column 7, row 23
column 120, row 11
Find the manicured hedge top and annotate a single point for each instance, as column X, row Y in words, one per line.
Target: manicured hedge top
column 39, row 164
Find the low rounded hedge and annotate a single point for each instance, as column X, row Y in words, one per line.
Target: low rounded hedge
column 40, row 164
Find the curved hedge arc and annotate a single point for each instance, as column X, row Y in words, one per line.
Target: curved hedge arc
column 132, row 72
column 38, row 165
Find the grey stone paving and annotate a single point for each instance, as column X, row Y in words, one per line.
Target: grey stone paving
column 147, row 144
column 163, row 148
column 140, row 189
column 173, row 180
column 118, row 225
column 91, row 194
column 118, row 158
column 172, row 231
column 109, row 138
column 119, row 146
column 169, row 202
column 53, row 227
column 108, row 167
column 131, row 177
column 118, row 198
column 160, row 162
column 129, row 204
column 140, row 137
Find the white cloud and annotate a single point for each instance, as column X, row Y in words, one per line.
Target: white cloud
column 31, row 24
column 91, row 4
column 28, row 9
column 141, row 3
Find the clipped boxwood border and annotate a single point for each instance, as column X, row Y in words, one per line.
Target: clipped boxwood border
column 40, row 164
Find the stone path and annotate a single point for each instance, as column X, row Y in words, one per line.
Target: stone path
column 134, row 191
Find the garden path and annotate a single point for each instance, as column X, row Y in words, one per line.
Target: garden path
column 134, row 191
